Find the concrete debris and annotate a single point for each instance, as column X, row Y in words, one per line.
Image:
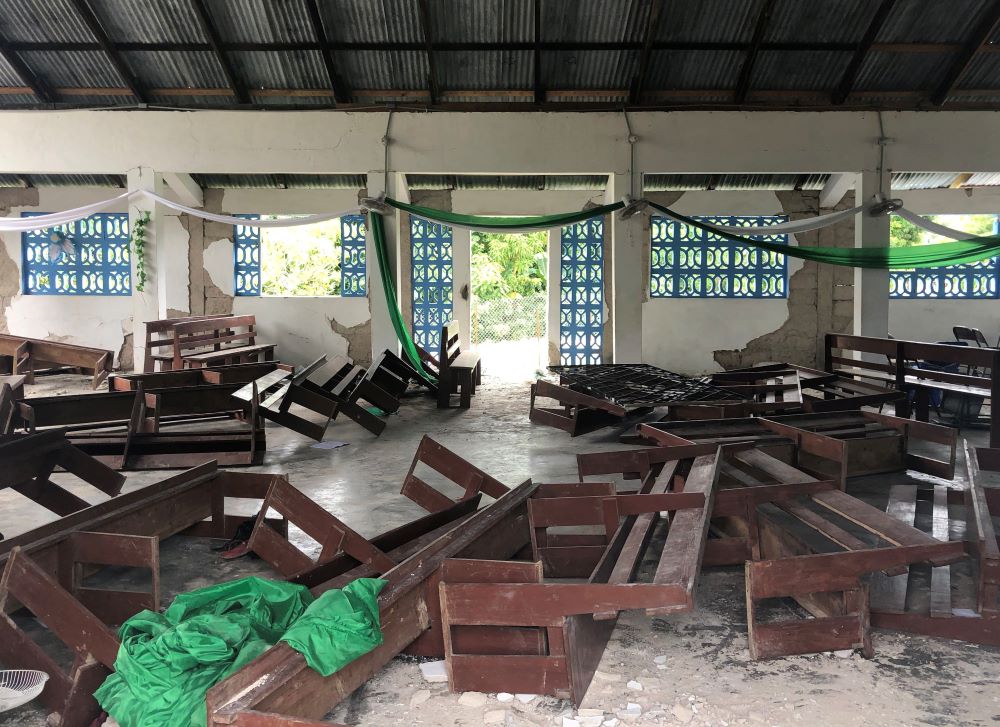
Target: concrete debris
column 525, row 698
column 472, row 699
column 634, row 685
column 420, row 697
column 682, row 713
column 495, row 716
column 661, row 659
column 613, row 722
column 505, row 697
column 569, row 722
column 844, row 653
column 434, row 671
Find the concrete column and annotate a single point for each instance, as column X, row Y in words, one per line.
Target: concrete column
column 151, row 303
column 461, row 277
column 553, row 298
column 628, row 284
column 383, row 333
column 871, row 287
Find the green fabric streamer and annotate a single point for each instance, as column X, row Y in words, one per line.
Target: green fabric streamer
column 339, row 626
column 395, row 315
column 168, row 662
column 883, row 258
column 484, row 222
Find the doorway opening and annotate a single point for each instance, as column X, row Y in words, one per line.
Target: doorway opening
column 509, row 302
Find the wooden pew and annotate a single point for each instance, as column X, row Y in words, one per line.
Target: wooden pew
column 460, row 371
column 229, row 340
column 160, row 335
column 29, row 355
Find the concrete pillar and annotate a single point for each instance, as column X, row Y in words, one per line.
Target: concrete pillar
column 461, row 280
column 552, row 312
column 151, row 303
column 871, row 287
column 628, row 284
column 383, row 333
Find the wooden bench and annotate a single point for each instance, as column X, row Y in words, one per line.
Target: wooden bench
column 26, row 356
column 160, row 337
column 214, row 341
column 899, row 368
column 460, row 371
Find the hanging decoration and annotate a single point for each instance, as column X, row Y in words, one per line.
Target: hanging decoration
column 507, row 224
column 139, row 249
column 883, row 258
column 391, row 300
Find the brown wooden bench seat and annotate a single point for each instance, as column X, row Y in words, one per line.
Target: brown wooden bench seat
column 159, row 350
column 21, row 355
column 229, row 340
column 460, row 371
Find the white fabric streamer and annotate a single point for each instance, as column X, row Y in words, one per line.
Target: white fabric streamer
column 934, row 227
column 230, row 220
column 794, row 226
column 40, row 222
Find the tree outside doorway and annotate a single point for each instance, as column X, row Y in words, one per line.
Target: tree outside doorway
column 509, row 292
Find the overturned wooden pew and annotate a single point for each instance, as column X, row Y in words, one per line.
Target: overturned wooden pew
column 29, row 356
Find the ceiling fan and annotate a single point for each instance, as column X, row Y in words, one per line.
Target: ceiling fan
column 59, row 243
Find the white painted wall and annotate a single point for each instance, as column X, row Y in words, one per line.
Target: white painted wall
column 932, row 320
column 302, row 326
column 682, row 334
column 86, row 320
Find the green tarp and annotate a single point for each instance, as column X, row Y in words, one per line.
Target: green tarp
column 167, row 662
column 919, row 256
column 391, row 301
column 484, row 222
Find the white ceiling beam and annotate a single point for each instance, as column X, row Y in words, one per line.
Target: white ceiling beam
column 835, row 188
column 187, row 190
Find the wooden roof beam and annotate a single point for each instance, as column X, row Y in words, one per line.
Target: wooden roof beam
column 20, row 68
column 341, row 93
column 655, row 11
column 846, row 84
column 425, row 26
column 746, row 72
column 537, row 54
column 980, row 35
column 210, row 31
column 86, row 14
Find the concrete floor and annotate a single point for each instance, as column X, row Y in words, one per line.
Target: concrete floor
column 707, row 676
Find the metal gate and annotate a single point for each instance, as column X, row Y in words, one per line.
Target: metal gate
column 581, row 293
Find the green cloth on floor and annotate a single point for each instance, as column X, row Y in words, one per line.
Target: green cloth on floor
column 167, row 662
column 339, row 626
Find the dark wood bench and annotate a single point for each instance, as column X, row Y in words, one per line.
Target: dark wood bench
column 460, row 371
column 159, row 350
column 900, row 368
column 214, row 341
column 27, row 356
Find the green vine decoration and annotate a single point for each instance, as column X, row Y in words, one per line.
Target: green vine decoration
column 139, row 250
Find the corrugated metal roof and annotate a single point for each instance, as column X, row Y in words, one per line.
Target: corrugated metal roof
column 461, row 21
column 799, row 70
column 63, row 180
column 385, row 75
column 373, row 21
column 42, row 20
column 507, row 182
column 984, row 179
column 830, row 21
column 922, row 180
column 930, row 21
column 732, row 182
column 281, row 181
column 594, row 20
column 145, row 21
column 718, row 21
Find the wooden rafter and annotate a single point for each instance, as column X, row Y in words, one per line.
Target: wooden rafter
column 29, row 79
column 746, row 72
column 655, row 11
column 537, row 62
column 86, row 14
column 208, row 28
column 980, row 35
column 340, row 91
column 846, row 84
column 425, row 27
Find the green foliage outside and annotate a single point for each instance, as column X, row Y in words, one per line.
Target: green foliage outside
column 300, row 260
column 906, row 234
column 508, row 265
column 508, row 283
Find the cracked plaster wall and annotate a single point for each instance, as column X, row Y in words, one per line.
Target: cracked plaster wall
column 304, row 328
column 86, row 320
column 697, row 335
